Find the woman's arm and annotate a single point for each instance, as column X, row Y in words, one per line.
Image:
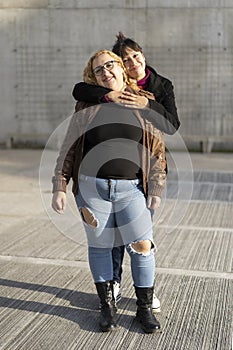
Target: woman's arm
column 65, row 161
column 63, row 171
column 89, row 93
column 162, row 114
column 157, row 167
column 165, row 117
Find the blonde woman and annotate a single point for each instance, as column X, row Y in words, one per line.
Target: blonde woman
column 116, row 159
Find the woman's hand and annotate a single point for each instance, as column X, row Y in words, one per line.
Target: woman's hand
column 153, row 202
column 59, row 202
column 128, row 99
column 114, row 96
column 132, row 100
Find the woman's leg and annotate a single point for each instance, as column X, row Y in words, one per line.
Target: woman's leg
column 142, row 262
column 143, row 269
column 95, row 210
column 100, row 262
column 134, row 222
column 117, row 259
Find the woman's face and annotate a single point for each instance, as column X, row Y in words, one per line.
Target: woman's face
column 108, row 73
column 135, row 64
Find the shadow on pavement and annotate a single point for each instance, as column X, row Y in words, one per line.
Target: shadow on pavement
column 83, row 310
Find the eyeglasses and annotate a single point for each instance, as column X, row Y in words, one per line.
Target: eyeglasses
column 100, row 69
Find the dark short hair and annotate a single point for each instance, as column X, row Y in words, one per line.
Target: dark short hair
column 122, row 43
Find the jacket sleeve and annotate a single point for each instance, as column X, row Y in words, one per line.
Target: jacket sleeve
column 163, row 111
column 157, row 171
column 89, row 93
column 65, row 161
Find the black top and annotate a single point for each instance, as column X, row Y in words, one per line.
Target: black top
column 112, row 146
column 162, row 112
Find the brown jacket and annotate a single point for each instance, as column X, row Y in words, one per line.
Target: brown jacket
column 70, row 157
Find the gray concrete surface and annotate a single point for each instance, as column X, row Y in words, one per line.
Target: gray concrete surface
column 47, row 297
column 45, row 45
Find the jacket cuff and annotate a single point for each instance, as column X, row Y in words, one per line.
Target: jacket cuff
column 155, row 190
column 59, row 184
column 106, row 99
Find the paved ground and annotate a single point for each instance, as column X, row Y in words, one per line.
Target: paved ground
column 47, row 297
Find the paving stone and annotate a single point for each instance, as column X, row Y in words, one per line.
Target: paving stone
column 47, row 296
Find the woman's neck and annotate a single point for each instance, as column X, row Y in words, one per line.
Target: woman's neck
column 142, row 76
column 143, row 82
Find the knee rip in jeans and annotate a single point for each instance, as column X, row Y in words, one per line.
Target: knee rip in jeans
column 88, row 217
column 143, row 247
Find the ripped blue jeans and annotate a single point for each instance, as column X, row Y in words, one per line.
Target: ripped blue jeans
column 107, row 205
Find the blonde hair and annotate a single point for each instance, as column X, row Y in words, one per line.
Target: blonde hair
column 89, row 76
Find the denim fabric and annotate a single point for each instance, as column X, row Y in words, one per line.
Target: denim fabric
column 122, row 204
column 114, row 203
column 142, row 266
column 117, row 260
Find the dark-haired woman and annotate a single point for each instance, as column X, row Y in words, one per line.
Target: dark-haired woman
column 165, row 117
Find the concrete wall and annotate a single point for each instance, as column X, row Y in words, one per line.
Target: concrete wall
column 46, row 43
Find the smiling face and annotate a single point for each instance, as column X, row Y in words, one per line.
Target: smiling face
column 135, row 63
column 113, row 78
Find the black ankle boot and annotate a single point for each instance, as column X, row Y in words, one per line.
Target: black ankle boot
column 144, row 313
column 108, row 306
